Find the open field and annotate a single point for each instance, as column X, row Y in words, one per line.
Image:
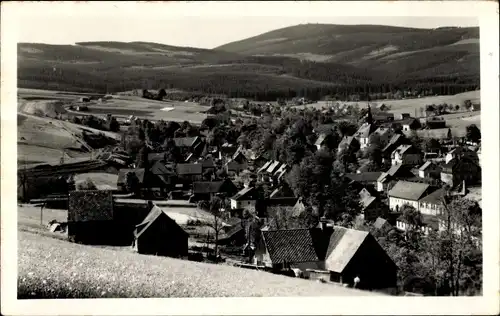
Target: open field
column 103, row 181
column 119, row 106
column 409, row 105
column 54, row 268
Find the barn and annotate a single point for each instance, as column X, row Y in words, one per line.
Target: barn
column 158, row 234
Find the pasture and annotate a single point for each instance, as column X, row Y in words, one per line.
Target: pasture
column 408, row 105
column 52, row 268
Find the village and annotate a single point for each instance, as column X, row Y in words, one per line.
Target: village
column 338, row 195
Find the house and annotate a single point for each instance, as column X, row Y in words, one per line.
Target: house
column 429, row 170
column 235, row 235
column 458, row 170
column 401, row 116
column 204, row 191
column 188, row 144
column 158, row 234
column 371, row 206
column 435, row 123
column 363, row 134
column 189, row 172
column 282, row 190
column 462, row 152
column 405, row 192
column 246, row 198
column 349, row 143
column 432, row 204
column 382, row 225
column 353, row 253
column 267, row 205
column 395, row 141
column 411, row 124
column 428, row 224
column 384, row 134
column 146, row 179
column 342, row 252
column 364, row 178
column 166, row 175
column 91, row 216
column 391, row 176
column 406, row 155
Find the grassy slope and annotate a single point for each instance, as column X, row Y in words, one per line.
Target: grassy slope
column 54, row 268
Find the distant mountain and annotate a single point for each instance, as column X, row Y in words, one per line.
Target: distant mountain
column 328, row 59
column 400, row 51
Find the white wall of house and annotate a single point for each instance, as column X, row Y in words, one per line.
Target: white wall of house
column 403, row 226
column 380, row 186
column 421, row 173
column 363, row 142
column 393, row 202
column 430, row 208
column 242, row 204
column 447, row 178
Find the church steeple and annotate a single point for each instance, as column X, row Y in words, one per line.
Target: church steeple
column 369, row 118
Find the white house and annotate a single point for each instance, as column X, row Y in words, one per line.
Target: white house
column 429, row 170
column 406, row 155
column 246, row 198
column 432, row 204
column 363, row 134
column 405, row 192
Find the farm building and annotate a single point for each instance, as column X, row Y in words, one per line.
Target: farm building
column 435, row 123
column 146, row 180
column 411, row 124
column 246, row 198
column 396, row 172
column 429, row 170
column 189, row 172
column 158, row 234
column 458, row 170
column 384, row 135
column 382, row 225
column 363, row 134
column 405, row 192
column 90, row 217
column 343, row 253
column 205, row 190
column 406, row 155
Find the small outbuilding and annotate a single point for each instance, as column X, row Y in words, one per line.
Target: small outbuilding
column 158, row 234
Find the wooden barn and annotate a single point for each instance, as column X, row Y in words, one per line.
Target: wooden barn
column 90, row 217
column 158, row 234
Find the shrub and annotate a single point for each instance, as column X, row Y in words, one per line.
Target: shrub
column 87, row 184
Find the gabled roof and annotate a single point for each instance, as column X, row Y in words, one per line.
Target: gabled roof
column 364, row 176
column 408, row 190
column 344, row 243
column 435, row 197
column 382, row 131
column 152, row 216
column 426, row 165
column 272, row 167
column 380, row 223
column 402, row 149
column 159, row 168
column 366, row 201
column 364, row 131
column 265, row 166
column 281, row 169
column 239, row 157
column 290, row 245
column 211, row 186
column 185, row 141
column 189, row 168
column 320, row 140
column 244, row 194
column 122, row 174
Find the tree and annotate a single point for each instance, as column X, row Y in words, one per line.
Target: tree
column 216, row 207
column 173, row 153
column 86, row 184
column 374, row 151
column 132, row 183
column 431, row 145
column 114, row 126
column 161, row 94
column 473, row 133
column 142, row 160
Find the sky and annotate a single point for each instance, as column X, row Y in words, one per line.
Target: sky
column 208, row 24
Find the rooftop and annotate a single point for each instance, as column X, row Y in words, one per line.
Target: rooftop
column 408, row 190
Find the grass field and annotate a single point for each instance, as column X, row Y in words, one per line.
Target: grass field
column 52, row 268
column 103, row 181
column 410, row 105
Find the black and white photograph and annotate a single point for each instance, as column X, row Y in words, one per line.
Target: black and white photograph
column 166, row 151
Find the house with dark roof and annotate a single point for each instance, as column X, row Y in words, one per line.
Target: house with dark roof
column 406, row 155
column 429, row 170
column 371, row 206
column 187, row 143
column 189, row 172
column 349, row 143
column 459, row 170
column 405, row 192
column 364, row 178
column 411, row 124
column 157, row 178
column 395, row 141
column 397, row 172
column 382, row 225
column 344, row 253
column 246, row 198
column 158, row 234
column 432, row 204
column 384, row 134
column 205, row 190
column 362, row 135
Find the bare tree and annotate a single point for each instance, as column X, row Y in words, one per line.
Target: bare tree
column 216, row 207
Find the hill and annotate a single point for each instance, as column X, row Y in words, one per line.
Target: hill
column 409, row 51
column 305, row 60
column 50, row 268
